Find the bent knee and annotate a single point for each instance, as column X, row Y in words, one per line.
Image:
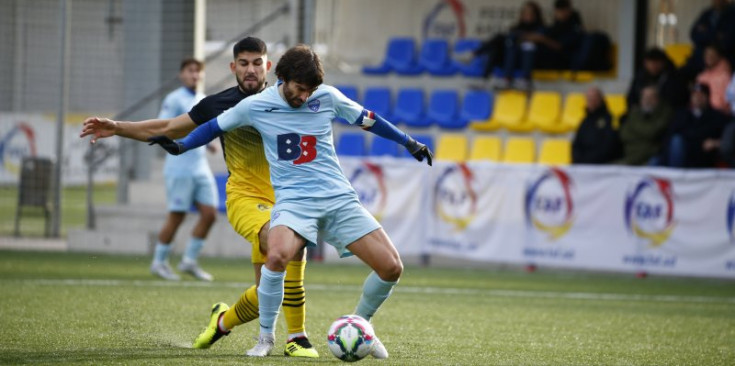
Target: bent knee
column 391, row 271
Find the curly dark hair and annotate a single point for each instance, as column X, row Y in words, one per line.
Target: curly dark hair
column 302, row 65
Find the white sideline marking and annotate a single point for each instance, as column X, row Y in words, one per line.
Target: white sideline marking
column 401, row 289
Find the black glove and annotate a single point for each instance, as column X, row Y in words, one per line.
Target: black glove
column 419, row 150
column 171, row 146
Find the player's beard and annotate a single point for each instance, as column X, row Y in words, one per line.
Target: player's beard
column 249, row 90
column 292, row 101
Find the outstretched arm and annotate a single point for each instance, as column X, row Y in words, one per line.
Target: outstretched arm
column 173, row 128
column 201, row 135
column 371, row 121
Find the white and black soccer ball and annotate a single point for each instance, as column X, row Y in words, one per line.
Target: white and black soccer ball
column 350, row 338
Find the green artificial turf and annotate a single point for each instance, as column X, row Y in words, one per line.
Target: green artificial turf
column 61, row 308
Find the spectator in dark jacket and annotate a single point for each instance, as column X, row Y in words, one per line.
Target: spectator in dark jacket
column 643, row 131
column 596, row 141
column 659, row 70
column 684, row 145
column 716, row 25
column 550, row 48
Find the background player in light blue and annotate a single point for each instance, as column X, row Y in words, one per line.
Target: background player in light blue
column 189, row 180
column 312, row 194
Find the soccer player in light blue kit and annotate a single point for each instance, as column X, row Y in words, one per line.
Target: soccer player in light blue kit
column 189, row 180
column 312, row 193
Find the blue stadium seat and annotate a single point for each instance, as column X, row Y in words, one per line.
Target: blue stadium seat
column 221, row 180
column 400, row 57
column 409, row 108
column 477, row 66
column 351, row 144
column 444, row 109
column 434, row 58
column 427, row 140
column 349, row 91
column 477, row 105
column 383, row 147
column 377, row 99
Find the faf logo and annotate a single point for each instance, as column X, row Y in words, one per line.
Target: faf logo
column 455, row 201
column 20, row 141
column 649, row 211
column 446, row 20
column 731, row 217
column 369, row 183
column 548, row 205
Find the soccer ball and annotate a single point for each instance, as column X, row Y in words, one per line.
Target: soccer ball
column 350, row 338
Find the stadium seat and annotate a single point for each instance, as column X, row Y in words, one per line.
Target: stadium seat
column 573, row 112
column 617, row 105
column 543, row 113
column 424, row 139
column 510, row 111
column 452, row 147
column 519, row 150
column 383, row 147
column 400, row 56
column 351, row 144
column 409, row 108
column 476, row 106
column 377, row 99
column 474, row 68
column 486, row 148
column 221, row 180
column 555, row 152
column 434, row 57
column 679, row 53
column 546, row 75
column 349, row 91
column 443, row 109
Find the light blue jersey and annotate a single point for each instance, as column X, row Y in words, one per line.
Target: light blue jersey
column 194, row 161
column 298, row 141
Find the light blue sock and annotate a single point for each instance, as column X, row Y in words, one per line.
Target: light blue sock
column 192, row 249
column 160, row 254
column 374, row 292
column 270, row 297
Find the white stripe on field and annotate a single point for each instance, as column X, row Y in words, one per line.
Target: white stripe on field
column 400, row 289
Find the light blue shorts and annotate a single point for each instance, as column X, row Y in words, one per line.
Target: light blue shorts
column 182, row 191
column 340, row 221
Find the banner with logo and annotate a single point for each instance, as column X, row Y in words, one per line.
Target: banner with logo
column 34, row 135
column 652, row 220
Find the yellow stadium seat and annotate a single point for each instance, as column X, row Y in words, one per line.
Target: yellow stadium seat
column 509, row 108
column 544, row 112
column 573, row 112
column 555, row 152
column 679, row 53
column 486, row 148
column 578, row 76
column 617, row 105
column 519, row 150
column 452, row 147
column 546, row 75
column 510, row 111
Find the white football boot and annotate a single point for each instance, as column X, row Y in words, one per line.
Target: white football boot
column 264, row 347
column 163, row 270
column 193, row 269
column 378, row 350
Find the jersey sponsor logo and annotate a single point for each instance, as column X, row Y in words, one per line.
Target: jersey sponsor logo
column 314, row 105
column 549, row 206
column 299, row 149
column 455, row 200
column 271, row 109
column 17, row 143
column 649, row 211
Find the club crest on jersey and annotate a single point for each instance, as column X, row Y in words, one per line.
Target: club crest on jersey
column 314, row 105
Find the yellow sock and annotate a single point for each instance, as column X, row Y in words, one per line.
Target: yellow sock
column 294, row 299
column 244, row 310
